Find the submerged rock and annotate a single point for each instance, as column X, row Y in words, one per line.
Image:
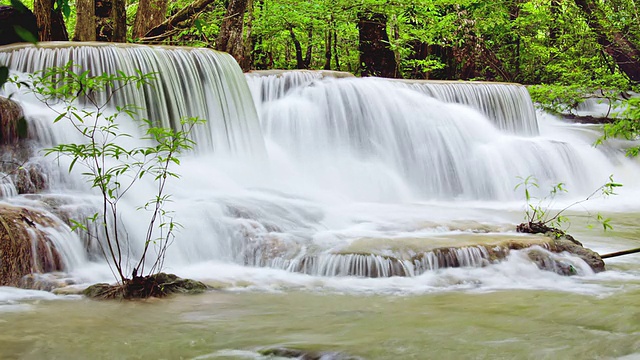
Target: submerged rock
column 570, row 245
column 563, row 242
column 25, row 248
column 142, row 287
column 45, row 282
column 289, row 353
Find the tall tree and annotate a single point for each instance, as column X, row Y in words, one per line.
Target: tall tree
column 119, row 19
column 150, row 14
column 50, row 21
column 230, row 37
column 85, row 21
column 376, row 57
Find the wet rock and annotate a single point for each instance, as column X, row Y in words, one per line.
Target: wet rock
column 13, row 126
column 157, row 285
column 24, row 247
column 570, row 245
column 45, row 282
column 545, row 262
column 306, row 355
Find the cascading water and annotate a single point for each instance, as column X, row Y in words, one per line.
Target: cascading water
column 186, row 83
column 337, row 163
column 376, row 134
column 507, row 105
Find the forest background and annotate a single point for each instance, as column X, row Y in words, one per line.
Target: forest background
column 576, row 48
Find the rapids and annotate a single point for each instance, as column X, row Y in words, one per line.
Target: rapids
column 307, row 185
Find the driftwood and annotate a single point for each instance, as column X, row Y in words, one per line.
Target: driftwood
column 620, row 253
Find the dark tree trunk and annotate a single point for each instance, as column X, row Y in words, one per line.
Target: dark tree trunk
column 119, row 18
column 307, row 56
column 230, row 36
column 85, row 21
column 296, row 44
column 50, row 22
column 375, row 56
column 150, row 14
column 624, row 52
column 327, row 50
column 248, row 48
column 104, row 25
column 555, row 11
column 336, row 59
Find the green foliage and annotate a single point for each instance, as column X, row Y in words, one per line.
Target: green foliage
column 626, row 126
column 106, row 163
column 557, row 98
column 537, row 210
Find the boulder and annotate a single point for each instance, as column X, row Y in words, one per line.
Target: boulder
column 24, row 247
column 13, row 126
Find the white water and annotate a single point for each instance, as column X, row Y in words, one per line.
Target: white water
column 337, row 161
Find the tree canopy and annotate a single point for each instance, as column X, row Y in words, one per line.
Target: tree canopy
column 586, row 43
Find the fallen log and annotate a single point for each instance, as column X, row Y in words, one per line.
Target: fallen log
column 620, row 253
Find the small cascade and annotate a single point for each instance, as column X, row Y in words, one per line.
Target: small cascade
column 380, row 266
column 187, row 83
column 35, row 241
column 507, row 105
column 270, row 85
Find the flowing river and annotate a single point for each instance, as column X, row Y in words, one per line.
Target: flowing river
column 314, row 204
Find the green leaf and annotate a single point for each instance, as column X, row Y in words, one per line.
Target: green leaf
column 25, row 34
column 4, row 75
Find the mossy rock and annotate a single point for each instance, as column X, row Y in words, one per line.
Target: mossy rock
column 24, row 248
column 13, row 126
column 142, row 287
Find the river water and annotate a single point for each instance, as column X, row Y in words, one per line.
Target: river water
column 304, row 185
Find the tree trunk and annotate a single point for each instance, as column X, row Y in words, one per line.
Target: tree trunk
column 50, row 22
column 336, row 59
column 296, row 44
column 248, row 48
column 119, row 18
column 624, row 52
column 307, row 56
column 150, row 14
column 230, row 36
column 327, row 50
column 85, row 21
column 375, row 56
column 104, row 25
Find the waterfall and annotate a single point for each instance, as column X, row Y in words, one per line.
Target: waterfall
column 363, row 128
column 507, row 105
column 187, row 83
column 329, row 161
